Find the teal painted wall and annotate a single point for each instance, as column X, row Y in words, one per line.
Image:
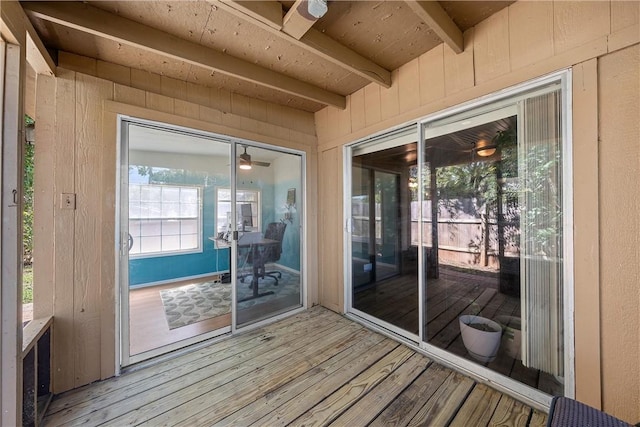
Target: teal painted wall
column 287, row 175
column 211, row 172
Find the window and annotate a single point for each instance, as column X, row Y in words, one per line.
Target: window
column 243, row 197
column 164, row 219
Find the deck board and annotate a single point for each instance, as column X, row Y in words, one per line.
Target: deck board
column 291, row 398
column 332, row 407
column 314, row 368
column 442, row 406
column 367, row 408
column 204, row 388
column 244, row 391
column 85, row 395
column 478, row 408
column 287, row 413
column 510, row 412
column 134, row 390
column 406, row 405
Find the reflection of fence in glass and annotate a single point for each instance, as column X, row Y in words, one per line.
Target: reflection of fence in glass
column 463, row 236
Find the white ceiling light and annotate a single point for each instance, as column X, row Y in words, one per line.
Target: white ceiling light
column 317, row 8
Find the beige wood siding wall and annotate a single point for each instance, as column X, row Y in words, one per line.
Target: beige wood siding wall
column 76, row 153
column 619, row 165
column 522, row 42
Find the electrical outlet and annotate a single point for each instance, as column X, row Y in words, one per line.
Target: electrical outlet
column 67, row 201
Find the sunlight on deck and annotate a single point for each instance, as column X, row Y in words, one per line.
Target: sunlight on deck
column 314, row 368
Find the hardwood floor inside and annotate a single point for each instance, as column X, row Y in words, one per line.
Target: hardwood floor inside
column 148, row 324
column 453, row 294
column 314, row 368
column 148, row 327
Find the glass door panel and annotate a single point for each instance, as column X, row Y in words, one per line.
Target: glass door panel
column 268, row 219
column 492, row 217
column 384, row 258
column 171, row 268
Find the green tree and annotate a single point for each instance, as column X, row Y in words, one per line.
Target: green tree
column 27, row 219
column 27, row 209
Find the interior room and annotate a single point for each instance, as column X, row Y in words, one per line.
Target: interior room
column 178, row 221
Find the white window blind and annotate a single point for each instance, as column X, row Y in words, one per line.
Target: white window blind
column 540, row 200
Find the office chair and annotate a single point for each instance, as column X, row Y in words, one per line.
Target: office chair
column 271, row 253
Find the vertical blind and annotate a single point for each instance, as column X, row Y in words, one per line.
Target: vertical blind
column 540, row 200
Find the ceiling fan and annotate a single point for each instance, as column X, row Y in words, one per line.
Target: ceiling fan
column 246, row 163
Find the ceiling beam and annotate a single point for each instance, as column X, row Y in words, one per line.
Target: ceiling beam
column 100, row 23
column 267, row 12
column 440, row 22
column 319, row 44
column 298, row 20
column 37, row 55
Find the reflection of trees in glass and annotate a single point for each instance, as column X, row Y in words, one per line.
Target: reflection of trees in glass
column 474, row 181
column 508, row 208
column 542, row 210
column 470, row 191
column 482, row 189
column 159, row 175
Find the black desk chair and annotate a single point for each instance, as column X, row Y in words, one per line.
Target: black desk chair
column 270, row 253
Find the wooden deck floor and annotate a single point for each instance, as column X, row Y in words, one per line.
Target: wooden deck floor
column 315, row 368
column 455, row 293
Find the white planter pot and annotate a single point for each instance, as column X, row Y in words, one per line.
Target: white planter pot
column 481, row 345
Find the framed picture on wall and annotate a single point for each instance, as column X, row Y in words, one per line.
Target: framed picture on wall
column 291, row 197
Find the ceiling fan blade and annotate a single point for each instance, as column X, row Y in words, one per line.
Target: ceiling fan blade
column 257, row 163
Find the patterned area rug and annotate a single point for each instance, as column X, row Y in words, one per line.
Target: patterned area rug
column 288, row 285
column 195, row 302
column 201, row 301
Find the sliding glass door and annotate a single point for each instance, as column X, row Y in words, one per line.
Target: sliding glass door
column 268, row 218
column 204, row 247
column 494, row 236
column 475, row 212
column 384, row 260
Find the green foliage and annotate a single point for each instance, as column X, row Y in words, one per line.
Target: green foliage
column 27, row 285
column 476, row 180
column 543, row 198
column 27, row 208
column 27, row 218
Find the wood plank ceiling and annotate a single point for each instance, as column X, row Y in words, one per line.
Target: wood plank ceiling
column 274, row 51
